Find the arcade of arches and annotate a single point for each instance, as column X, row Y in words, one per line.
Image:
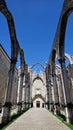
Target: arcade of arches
column 22, row 88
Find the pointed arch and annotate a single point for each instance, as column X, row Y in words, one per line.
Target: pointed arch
column 68, row 9
column 39, row 78
column 38, row 96
column 14, row 42
column 37, row 63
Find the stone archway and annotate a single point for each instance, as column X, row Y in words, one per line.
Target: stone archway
column 38, row 78
column 67, row 9
column 14, row 53
column 38, row 90
column 15, row 49
column 38, row 101
column 37, row 63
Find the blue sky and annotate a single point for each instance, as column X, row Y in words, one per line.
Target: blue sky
column 35, row 22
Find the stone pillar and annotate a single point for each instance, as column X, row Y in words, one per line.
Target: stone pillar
column 66, row 92
column 30, row 88
column 20, row 89
column 8, row 103
column 23, row 97
column 60, row 91
column 56, row 96
column 26, row 93
column 47, row 87
column 50, row 96
column 29, row 96
column 29, row 91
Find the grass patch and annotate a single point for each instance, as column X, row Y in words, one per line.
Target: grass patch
column 69, row 125
column 62, row 118
column 13, row 118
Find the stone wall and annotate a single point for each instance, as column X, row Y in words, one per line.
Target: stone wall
column 38, row 87
column 15, row 87
column 4, row 70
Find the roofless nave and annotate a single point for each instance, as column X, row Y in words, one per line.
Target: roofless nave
column 21, row 88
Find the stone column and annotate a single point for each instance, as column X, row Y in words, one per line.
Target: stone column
column 27, row 101
column 28, row 96
column 47, row 87
column 50, row 96
column 60, row 91
column 30, row 88
column 26, row 93
column 66, row 92
column 29, row 91
column 23, row 97
column 20, row 89
column 56, row 96
column 8, row 103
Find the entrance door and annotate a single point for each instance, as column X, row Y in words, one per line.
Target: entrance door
column 37, row 103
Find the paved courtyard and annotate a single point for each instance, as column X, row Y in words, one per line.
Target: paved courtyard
column 37, row 119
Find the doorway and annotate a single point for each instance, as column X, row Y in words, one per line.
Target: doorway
column 37, row 103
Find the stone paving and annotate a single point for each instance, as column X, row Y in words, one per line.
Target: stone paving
column 37, row 119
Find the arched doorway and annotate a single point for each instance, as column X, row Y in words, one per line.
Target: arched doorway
column 38, row 90
column 38, row 101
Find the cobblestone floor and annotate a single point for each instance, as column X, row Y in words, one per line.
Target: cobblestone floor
column 37, row 119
